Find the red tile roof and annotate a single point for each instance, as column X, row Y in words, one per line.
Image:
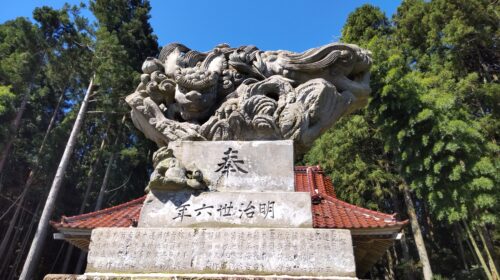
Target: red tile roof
column 328, row 211
column 123, row 215
column 331, row 212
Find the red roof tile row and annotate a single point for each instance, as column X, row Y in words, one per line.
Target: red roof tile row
column 328, row 211
column 123, row 215
column 331, row 212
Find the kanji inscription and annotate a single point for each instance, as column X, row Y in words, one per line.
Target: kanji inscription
column 314, row 252
column 230, row 163
column 245, row 210
column 225, row 209
column 262, row 166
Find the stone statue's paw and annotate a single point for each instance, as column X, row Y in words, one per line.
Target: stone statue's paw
column 197, row 185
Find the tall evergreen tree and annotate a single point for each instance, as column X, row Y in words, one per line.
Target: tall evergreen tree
column 123, row 41
column 128, row 20
column 433, row 118
column 62, row 36
column 21, row 53
column 428, row 137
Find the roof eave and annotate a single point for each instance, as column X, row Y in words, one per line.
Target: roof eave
column 392, row 231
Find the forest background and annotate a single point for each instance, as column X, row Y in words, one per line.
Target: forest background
column 426, row 147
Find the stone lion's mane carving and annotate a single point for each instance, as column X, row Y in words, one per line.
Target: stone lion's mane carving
column 248, row 94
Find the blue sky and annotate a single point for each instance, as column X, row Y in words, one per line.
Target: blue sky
column 294, row 25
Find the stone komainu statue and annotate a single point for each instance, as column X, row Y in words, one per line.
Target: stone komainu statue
column 248, row 94
column 170, row 174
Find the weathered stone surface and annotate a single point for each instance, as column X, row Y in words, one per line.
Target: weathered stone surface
column 248, row 94
column 253, row 251
column 164, row 276
column 226, row 209
column 171, row 175
column 239, row 165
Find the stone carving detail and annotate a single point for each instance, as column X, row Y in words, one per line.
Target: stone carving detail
column 248, row 94
column 170, row 174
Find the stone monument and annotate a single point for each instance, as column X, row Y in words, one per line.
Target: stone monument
column 246, row 94
column 221, row 201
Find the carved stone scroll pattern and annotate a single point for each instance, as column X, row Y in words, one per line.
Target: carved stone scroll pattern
column 248, row 94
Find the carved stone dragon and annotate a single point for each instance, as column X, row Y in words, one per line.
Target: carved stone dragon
column 248, row 94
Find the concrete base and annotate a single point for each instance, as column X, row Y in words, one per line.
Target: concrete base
column 248, row 251
column 162, row 276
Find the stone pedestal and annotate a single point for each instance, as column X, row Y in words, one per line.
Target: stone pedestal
column 238, row 165
column 227, row 209
column 198, row 276
column 250, row 224
column 253, row 251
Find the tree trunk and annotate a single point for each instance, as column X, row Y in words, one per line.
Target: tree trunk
column 488, row 248
column 90, row 181
column 7, row 237
column 469, row 245
column 100, row 197
column 67, row 258
column 7, row 258
column 105, row 180
column 27, row 238
column 91, row 176
column 31, row 175
column 479, row 255
column 403, row 242
column 51, row 124
column 35, row 168
column 458, row 237
column 104, row 184
column 98, row 205
column 80, row 263
column 390, row 266
column 408, row 271
column 42, row 229
column 54, row 263
column 428, row 226
column 417, row 233
column 14, row 127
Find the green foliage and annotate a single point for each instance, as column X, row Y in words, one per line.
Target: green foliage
column 20, row 52
column 432, row 121
column 54, row 58
column 123, row 41
column 6, row 101
column 440, row 137
column 129, row 21
column 353, row 156
column 6, row 111
column 363, row 25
